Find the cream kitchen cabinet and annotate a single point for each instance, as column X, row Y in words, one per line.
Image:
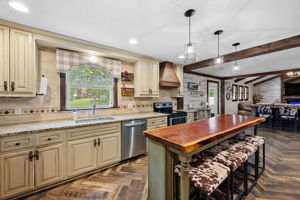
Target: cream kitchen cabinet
column 48, row 165
column 146, row 79
column 17, row 173
column 178, row 92
column 108, row 150
column 82, row 156
column 18, row 73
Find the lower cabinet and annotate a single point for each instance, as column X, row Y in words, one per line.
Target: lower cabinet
column 88, row 154
column 109, row 150
column 17, row 173
column 81, row 156
column 49, row 165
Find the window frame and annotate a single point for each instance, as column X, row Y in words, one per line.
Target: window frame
column 65, row 87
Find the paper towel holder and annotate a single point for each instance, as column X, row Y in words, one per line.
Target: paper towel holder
column 43, row 86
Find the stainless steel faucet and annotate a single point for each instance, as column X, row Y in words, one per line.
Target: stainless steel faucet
column 94, row 107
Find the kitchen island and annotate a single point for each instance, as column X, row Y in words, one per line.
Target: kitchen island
column 182, row 141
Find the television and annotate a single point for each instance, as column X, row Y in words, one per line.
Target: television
column 292, row 89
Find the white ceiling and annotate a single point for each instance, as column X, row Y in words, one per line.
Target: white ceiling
column 160, row 26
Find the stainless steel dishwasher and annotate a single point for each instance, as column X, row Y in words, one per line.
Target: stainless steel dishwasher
column 133, row 142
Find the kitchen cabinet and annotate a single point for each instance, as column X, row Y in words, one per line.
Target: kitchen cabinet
column 146, row 81
column 18, row 73
column 81, row 156
column 108, row 150
column 17, row 173
column 49, row 165
column 178, row 92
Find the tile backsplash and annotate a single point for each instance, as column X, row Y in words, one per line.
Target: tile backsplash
column 47, row 107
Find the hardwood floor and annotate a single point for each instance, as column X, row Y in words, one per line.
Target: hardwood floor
column 128, row 181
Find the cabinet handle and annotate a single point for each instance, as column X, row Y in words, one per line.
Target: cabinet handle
column 151, row 91
column 5, row 86
column 37, row 154
column 12, row 86
column 49, row 139
column 99, row 141
column 95, row 142
column 17, row 144
column 30, row 156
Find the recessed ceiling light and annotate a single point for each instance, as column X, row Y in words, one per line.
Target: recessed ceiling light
column 18, row 6
column 133, row 41
column 181, row 57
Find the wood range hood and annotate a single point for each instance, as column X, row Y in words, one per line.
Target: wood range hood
column 167, row 75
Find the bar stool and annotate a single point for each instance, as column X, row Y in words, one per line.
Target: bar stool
column 266, row 112
column 289, row 113
column 207, row 176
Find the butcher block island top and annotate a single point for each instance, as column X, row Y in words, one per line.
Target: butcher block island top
column 190, row 136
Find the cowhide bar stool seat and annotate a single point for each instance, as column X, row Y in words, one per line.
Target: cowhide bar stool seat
column 206, row 175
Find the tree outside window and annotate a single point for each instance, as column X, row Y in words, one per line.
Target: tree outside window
column 84, row 83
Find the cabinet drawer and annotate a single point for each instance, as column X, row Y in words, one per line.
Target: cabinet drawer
column 93, row 131
column 191, row 115
column 49, row 137
column 154, row 121
column 156, row 126
column 16, row 143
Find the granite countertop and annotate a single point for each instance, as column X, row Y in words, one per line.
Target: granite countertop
column 16, row 129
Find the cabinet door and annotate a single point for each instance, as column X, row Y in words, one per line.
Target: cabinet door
column 178, row 92
column 109, row 150
column 4, row 60
column 49, row 166
column 81, row 156
column 154, row 81
column 22, row 69
column 144, row 77
column 16, row 173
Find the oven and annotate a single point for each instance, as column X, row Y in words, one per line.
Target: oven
column 174, row 117
column 177, row 120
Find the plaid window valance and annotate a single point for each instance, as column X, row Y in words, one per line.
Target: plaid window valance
column 67, row 59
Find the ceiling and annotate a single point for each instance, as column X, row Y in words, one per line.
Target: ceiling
column 161, row 28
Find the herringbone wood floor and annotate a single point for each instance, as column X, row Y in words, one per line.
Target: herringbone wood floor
column 128, row 181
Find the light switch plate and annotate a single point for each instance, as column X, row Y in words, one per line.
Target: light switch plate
column 18, row 110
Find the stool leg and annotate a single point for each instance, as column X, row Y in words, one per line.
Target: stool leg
column 264, row 156
column 256, row 164
column 246, row 177
column 232, row 185
column 227, row 189
column 280, row 123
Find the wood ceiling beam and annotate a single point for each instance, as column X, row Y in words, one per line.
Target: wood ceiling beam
column 255, row 79
column 239, row 79
column 263, row 73
column 269, row 79
column 271, row 47
column 290, row 79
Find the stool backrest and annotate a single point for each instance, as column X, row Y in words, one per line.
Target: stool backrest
column 264, row 110
column 288, row 111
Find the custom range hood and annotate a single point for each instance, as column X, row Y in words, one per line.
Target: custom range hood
column 167, row 75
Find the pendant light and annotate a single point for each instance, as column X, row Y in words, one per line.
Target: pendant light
column 235, row 67
column 189, row 48
column 219, row 59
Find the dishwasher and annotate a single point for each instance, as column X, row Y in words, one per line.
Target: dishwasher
column 133, row 142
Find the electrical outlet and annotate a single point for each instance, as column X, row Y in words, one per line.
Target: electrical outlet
column 18, row 110
column 129, row 106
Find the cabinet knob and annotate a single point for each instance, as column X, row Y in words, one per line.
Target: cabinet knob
column 12, row 86
column 95, row 142
column 99, row 141
column 30, row 156
column 5, row 86
column 49, row 139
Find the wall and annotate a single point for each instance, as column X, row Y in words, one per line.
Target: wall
column 48, row 107
column 270, row 90
column 231, row 107
column 196, row 101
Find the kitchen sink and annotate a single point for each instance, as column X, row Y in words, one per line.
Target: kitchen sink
column 102, row 119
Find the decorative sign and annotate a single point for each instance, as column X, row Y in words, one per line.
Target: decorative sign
column 127, row 91
column 241, row 93
column 228, row 92
column 246, row 93
column 125, row 76
column 192, row 86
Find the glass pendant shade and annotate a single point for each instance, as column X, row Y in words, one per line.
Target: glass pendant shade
column 235, row 69
column 190, row 52
column 293, row 74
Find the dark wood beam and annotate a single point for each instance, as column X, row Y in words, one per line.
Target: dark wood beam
column 201, row 74
column 271, row 47
column 263, row 73
column 255, row 79
column 290, row 79
column 238, row 80
column 269, row 79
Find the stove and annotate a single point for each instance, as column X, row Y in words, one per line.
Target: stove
column 174, row 117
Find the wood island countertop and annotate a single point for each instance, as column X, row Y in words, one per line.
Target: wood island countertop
column 190, row 136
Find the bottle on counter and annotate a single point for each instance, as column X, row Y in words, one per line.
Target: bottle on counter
column 74, row 115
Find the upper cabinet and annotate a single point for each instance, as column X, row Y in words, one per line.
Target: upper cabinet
column 178, row 92
column 146, row 82
column 17, row 68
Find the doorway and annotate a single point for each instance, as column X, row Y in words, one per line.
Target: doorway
column 213, row 96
